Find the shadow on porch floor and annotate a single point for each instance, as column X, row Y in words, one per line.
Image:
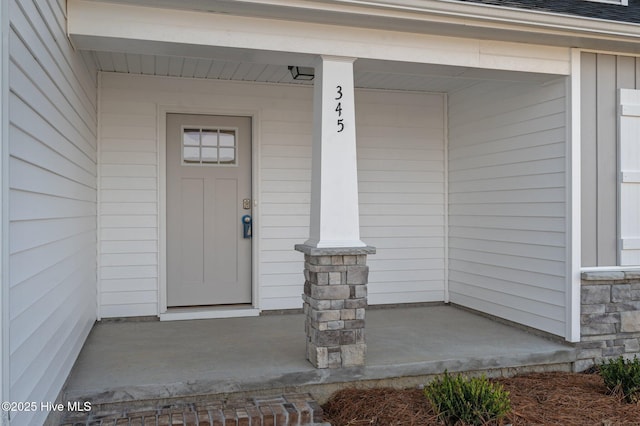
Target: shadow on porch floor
column 125, row 362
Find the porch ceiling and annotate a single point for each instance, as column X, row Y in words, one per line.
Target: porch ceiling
column 369, row 74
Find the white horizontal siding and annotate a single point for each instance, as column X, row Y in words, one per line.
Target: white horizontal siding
column 507, row 202
column 129, row 213
column 285, row 181
column 128, row 209
column 401, row 192
column 400, row 157
column 52, row 199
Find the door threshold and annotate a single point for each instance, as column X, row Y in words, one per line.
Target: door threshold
column 208, row 312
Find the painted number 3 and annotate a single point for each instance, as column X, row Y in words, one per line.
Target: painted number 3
column 339, row 108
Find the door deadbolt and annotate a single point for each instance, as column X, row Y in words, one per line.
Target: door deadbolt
column 246, row 203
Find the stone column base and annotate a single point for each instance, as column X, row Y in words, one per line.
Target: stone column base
column 335, row 298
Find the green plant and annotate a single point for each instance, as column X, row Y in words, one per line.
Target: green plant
column 474, row 401
column 622, row 377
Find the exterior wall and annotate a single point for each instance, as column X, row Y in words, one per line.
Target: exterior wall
column 601, row 77
column 401, row 192
column 52, row 201
column 400, row 154
column 610, row 317
column 128, row 208
column 507, row 202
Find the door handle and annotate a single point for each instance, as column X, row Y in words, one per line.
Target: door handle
column 246, row 226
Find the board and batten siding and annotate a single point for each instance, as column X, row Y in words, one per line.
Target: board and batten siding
column 400, row 136
column 601, row 77
column 52, row 203
column 507, row 202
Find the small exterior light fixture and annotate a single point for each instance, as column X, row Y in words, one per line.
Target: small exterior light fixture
column 302, row 73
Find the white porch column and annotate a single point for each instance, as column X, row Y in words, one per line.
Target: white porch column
column 334, row 175
column 335, row 269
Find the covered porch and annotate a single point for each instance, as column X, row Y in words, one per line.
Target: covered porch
column 462, row 184
column 129, row 363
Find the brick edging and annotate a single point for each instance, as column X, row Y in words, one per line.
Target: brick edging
column 286, row 410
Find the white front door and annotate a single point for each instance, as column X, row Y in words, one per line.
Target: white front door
column 208, row 194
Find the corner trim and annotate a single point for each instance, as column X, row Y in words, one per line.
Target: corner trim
column 5, row 386
column 574, row 240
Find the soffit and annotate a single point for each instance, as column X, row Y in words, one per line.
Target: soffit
column 367, row 73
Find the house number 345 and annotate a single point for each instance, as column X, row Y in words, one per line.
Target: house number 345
column 340, row 121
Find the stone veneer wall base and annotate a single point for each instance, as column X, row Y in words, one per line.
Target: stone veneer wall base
column 609, row 317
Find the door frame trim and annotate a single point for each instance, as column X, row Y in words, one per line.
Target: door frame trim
column 213, row 312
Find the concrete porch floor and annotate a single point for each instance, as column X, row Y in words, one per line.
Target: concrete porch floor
column 124, row 362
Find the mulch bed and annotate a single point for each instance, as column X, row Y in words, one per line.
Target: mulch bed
column 536, row 399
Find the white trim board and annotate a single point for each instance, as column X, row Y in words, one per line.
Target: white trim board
column 445, row 101
column 4, row 210
column 98, row 198
column 574, row 241
column 212, row 313
column 609, row 268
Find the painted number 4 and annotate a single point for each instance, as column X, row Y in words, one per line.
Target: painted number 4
column 339, row 109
